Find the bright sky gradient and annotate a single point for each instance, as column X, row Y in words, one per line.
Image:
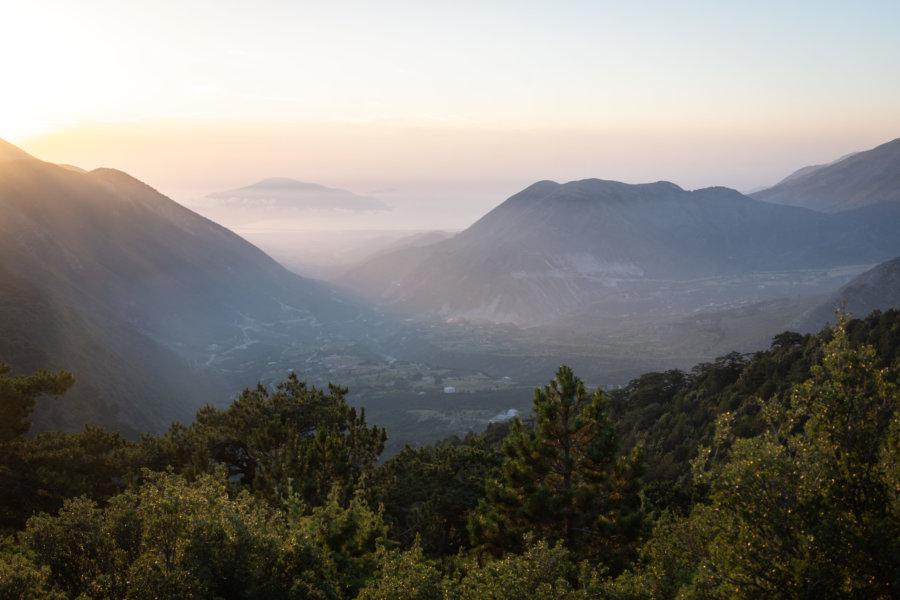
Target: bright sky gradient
column 451, row 106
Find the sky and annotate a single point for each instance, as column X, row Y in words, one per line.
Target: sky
column 445, row 109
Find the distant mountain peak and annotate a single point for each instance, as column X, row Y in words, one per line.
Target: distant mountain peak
column 599, row 187
column 593, row 190
column 543, row 185
column 669, row 185
column 286, row 183
column 282, row 194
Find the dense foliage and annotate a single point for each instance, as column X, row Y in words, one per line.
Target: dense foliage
column 562, row 481
column 775, row 474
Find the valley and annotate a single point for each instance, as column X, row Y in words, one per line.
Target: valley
column 449, row 300
column 402, row 378
column 435, row 334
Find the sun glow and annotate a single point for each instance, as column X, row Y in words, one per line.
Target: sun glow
column 201, row 96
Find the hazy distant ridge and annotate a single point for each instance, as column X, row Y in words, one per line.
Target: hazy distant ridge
column 859, row 180
column 277, row 195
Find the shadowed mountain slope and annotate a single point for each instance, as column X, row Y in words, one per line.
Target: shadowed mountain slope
column 876, row 289
column 140, row 297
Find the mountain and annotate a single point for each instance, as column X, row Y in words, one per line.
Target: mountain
column 280, row 194
column 280, row 199
column 876, row 289
column 805, row 171
column 596, row 247
column 859, row 180
column 155, row 309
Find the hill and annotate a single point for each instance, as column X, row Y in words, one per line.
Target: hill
column 860, row 180
column 596, row 247
column 280, row 203
column 876, row 289
column 285, row 194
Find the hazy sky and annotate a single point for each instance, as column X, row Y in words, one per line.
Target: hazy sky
column 448, row 107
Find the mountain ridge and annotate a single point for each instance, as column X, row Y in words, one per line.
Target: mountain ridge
column 556, row 249
column 174, row 311
column 280, row 194
column 858, row 180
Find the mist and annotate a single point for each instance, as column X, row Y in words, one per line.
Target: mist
column 433, row 175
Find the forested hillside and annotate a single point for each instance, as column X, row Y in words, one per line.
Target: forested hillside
column 775, row 474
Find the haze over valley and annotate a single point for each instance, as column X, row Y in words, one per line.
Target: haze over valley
column 439, row 300
column 160, row 311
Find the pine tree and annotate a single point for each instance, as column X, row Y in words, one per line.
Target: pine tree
column 293, row 441
column 18, row 394
column 563, row 480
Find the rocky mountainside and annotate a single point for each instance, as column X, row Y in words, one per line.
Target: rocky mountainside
column 860, row 180
column 597, row 247
column 876, row 289
column 156, row 309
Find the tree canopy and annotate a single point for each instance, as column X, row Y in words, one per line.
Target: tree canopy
column 18, row 394
column 767, row 475
column 562, row 479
